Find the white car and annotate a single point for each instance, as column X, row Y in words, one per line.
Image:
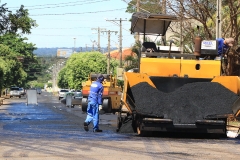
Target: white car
column 61, row 93
column 15, row 92
column 22, row 91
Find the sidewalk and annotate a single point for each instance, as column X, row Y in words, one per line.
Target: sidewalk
column 2, row 98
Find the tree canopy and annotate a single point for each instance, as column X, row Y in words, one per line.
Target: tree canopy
column 12, row 72
column 151, row 6
column 80, row 65
column 15, row 22
column 14, row 50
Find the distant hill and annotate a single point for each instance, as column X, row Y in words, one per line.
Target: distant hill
column 51, row 52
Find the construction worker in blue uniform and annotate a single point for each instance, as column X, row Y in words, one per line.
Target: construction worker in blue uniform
column 94, row 102
column 223, row 45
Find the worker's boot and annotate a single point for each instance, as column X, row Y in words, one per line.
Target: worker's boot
column 85, row 124
column 97, row 130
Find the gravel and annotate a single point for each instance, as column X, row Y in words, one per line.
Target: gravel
column 191, row 102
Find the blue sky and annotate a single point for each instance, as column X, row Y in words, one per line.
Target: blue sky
column 60, row 21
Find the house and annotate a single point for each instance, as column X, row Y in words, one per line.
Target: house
column 125, row 52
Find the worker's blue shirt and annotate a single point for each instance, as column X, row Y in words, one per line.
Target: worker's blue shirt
column 96, row 91
column 222, row 48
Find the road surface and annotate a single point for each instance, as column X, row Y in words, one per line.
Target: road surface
column 51, row 131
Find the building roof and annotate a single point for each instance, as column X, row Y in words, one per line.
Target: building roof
column 125, row 52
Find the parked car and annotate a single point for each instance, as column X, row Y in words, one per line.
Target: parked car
column 72, row 90
column 39, row 90
column 61, row 93
column 15, row 92
column 76, row 98
column 77, row 94
column 22, row 91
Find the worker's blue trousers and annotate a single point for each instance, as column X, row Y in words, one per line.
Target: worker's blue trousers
column 92, row 114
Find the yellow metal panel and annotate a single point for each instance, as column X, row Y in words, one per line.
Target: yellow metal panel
column 230, row 82
column 160, row 67
column 87, row 83
column 207, row 68
column 135, row 78
column 115, row 101
column 106, row 84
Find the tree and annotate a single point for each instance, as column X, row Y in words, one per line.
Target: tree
column 79, row 66
column 151, row 6
column 3, row 70
column 12, row 71
column 25, row 51
column 203, row 13
column 10, row 25
column 133, row 61
column 14, row 23
column 62, row 78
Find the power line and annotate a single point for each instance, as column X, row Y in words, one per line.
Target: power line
column 66, row 35
column 52, row 4
column 110, row 39
column 68, row 5
column 118, row 25
column 69, row 20
column 108, row 62
column 62, row 14
column 120, row 38
column 136, row 6
column 73, row 27
column 57, row 35
column 99, row 30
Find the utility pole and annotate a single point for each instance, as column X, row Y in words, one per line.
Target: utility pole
column 164, row 3
column 54, row 70
column 181, row 27
column 74, row 44
column 219, row 19
column 86, row 48
column 138, row 6
column 99, row 31
column 108, row 62
column 120, row 39
column 93, row 44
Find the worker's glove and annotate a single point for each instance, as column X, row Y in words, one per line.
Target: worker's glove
column 101, row 111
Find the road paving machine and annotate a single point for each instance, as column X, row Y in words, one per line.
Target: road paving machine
column 111, row 93
column 173, row 91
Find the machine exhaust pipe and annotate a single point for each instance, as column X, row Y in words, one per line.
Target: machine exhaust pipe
column 197, row 44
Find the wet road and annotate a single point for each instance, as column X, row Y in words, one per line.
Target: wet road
column 50, row 130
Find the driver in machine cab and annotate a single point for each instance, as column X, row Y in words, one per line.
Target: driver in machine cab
column 224, row 44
